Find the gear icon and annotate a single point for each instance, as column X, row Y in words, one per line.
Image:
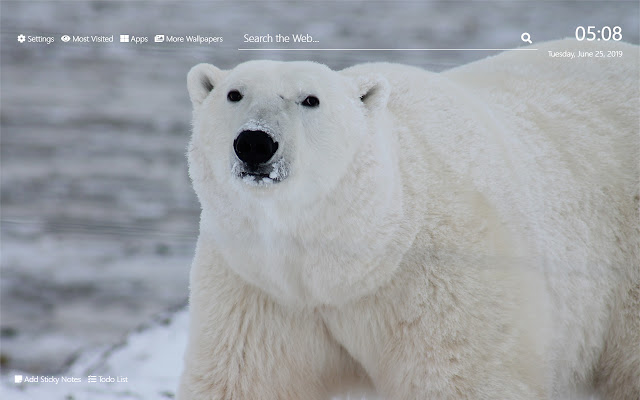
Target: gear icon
column 21, row 38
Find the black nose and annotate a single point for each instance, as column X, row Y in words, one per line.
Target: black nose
column 255, row 147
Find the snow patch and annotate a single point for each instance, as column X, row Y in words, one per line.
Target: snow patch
column 256, row 125
column 277, row 169
column 150, row 360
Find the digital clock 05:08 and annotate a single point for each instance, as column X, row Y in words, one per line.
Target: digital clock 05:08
column 605, row 33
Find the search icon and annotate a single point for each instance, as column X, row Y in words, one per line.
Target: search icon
column 526, row 37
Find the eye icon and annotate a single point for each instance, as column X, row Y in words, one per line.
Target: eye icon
column 65, row 38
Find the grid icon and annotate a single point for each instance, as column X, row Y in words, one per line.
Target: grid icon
column 124, row 38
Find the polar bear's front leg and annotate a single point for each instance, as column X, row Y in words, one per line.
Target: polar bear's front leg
column 450, row 332
column 467, row 332
column 242, row 345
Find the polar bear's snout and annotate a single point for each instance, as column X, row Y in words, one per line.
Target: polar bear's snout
column 257, row 160
column 254, row 148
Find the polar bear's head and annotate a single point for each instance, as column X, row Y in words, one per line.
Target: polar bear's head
column 274, row 145
column 275, row 127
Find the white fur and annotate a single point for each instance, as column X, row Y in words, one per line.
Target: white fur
column 465, row 235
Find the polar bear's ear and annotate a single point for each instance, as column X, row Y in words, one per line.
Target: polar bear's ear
column 373, row 90
column 201, row 80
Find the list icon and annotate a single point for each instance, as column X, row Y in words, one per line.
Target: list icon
column 124, row 38
column 92, row 379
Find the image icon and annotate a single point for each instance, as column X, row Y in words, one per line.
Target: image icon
column 124, row 38
column 159, row 39
column 21, row 38
column 65, row 38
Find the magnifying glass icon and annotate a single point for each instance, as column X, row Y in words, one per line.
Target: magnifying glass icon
column 526, row 37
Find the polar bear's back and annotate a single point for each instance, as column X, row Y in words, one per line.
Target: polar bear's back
column 553, row 145
column 572, row 128
column 552, row 142
column 586, row 108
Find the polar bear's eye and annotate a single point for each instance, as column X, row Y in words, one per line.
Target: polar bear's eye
column 234, row 96
column 311, row 101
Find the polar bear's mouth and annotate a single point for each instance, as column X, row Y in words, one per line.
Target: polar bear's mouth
column 264, row 175
column 259, row 177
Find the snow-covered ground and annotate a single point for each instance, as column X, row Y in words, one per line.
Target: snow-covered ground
column 147, row 365
column 98, row 219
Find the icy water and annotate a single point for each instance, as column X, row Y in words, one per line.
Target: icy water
column 98, row 218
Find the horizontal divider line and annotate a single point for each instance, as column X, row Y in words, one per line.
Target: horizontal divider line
column 283, row 49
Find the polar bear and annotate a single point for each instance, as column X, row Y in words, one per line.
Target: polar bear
column 471, row 234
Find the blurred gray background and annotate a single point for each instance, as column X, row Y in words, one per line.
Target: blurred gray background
column 98, row 218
